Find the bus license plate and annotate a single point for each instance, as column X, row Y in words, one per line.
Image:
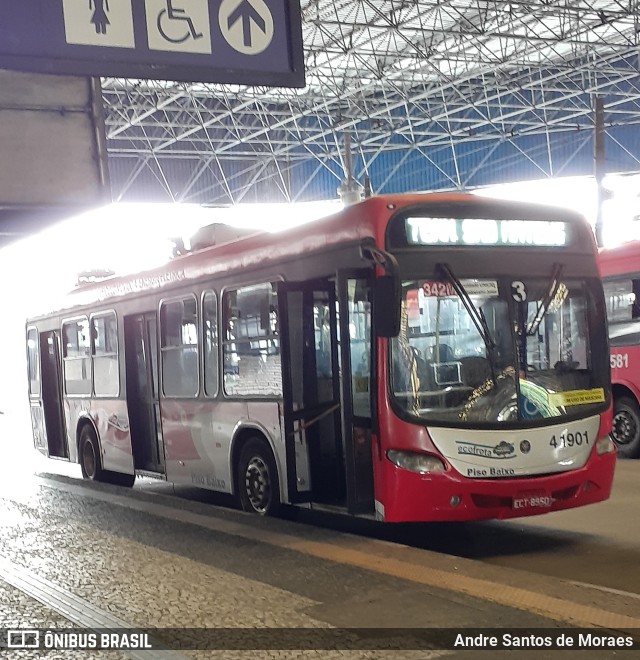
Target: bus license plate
column 536, row 499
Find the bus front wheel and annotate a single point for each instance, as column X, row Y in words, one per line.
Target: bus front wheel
column 626, row 427
column 90, row 455
column 257, row 479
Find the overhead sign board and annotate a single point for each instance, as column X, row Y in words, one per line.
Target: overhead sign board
column 251, row 42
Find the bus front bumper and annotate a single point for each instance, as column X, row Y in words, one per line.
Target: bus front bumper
column 415, row 497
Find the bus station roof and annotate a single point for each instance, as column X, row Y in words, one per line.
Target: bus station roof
column 432, row 96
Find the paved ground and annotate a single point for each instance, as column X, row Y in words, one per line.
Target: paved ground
column 70, row 551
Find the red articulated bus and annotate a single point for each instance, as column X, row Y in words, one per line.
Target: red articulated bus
column 437, row 357
column 620, row 268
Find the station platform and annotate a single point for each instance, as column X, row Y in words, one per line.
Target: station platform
column 206, row 581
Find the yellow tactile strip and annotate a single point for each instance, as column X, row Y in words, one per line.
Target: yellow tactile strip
column 374, row 559
column 531, row 601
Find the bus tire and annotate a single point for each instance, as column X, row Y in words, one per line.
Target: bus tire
column 626, row 427
column 89, row 452
column 257, row 479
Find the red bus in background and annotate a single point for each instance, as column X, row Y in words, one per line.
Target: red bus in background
column 411, row 358
column 620, row 268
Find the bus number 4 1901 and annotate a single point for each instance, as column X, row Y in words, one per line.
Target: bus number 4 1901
column 569, row 440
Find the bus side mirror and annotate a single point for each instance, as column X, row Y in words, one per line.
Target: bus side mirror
column 386, row 306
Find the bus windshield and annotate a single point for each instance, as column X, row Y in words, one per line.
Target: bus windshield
column 528, row 359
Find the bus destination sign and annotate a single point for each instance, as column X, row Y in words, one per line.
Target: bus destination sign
column 251, row 42
column 484, row 231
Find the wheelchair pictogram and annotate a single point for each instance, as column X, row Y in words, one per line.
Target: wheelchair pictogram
column 171, row 25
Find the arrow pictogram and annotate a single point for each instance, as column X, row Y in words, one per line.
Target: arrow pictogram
column 246, row 12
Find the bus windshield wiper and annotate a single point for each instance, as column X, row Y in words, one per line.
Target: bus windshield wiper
column 543, row 305
column 476, row 314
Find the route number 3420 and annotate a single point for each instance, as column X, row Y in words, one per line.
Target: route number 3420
column 619, row 360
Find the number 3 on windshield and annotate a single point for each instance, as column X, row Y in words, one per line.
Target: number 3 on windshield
column 518, row 291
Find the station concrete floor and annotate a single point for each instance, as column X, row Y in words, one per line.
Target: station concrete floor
column 78, row 555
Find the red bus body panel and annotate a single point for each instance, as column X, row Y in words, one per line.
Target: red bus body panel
column 623, row 260
column 629, row 375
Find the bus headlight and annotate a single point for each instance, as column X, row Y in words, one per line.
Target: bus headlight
column 414, row 462
column 605, row 445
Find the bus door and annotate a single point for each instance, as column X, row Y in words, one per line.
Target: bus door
column 311, row 390
column 52, row 395
column 143, row 403
column 357, row 384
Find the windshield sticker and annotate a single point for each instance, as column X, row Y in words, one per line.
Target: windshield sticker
column 535, row 402
column 438, row 289
column 472, row 287
column 577, row 397
column 480, row 287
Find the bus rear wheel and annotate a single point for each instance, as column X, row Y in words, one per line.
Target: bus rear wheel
column 257, row 479
column 90, row 454
column 626, row 427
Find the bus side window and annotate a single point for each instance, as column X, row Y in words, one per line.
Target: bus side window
column 77, row 356
column 635, row 309
column 251, row 343
column 33, row 362
column 106, row 379
column 622, row 300
column 179, row 347
column 359, row 310
column 210, row 343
